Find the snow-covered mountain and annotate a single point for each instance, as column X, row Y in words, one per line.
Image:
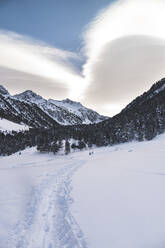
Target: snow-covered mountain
column 35, row 111
column 23, row 112
column 142, row 119
column 3, row 91
column 65, row 112
column 29, row 96
column 155, row 91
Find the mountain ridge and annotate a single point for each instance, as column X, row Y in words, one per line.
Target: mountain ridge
column 153, row 91
column 142, row 119
column 64, row 112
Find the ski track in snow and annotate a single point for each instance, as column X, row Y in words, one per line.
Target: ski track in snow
column 48, row 222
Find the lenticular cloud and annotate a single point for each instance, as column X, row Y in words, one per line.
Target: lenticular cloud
column 125, row 48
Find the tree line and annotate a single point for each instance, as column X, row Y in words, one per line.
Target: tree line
column 142, row 120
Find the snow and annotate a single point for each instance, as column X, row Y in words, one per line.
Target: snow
column 34, row 201
column 29, row 95
column 112, row 198
column 77, row 109
column 119, row 196
column 69, row 105
column 65, row 112
column 6, row 125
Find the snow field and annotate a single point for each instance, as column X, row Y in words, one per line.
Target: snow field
column 39, row 218
column 113, row 198
column 9, row 126
column 119, row 196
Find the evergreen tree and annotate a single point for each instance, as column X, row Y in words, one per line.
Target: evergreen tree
column 67, row 147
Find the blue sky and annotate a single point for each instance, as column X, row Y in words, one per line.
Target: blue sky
column 57, row 22
column 103, row 53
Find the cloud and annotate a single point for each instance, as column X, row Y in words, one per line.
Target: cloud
column 124, row 47
column 16, row 82
column 28, row 56
column 125, row 50
column 125, row 68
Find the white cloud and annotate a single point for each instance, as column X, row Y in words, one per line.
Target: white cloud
column 16, row 82
column 29, row 56
column 125, row 50
column 124, row 18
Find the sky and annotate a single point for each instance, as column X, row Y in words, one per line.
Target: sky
column 101, row 53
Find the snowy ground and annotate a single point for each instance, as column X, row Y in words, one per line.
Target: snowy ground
column 34, row 201
column 8, row 126
column 119, row 196
column 113, row 198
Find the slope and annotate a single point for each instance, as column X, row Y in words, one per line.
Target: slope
column 118, row 195
column 119, row 189
column 142, row 119
column 65, row 112
column 35, row 200
column 22, row 112
column 9, row 126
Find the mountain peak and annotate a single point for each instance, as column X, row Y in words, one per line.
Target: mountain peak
column 28, row 95
column 3, row 91
column 68, row 101
column 65, row 112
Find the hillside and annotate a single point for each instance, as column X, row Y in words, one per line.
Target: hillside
column 65, row 112
column 143, row 119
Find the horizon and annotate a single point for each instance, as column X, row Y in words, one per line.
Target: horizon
column 58, row 53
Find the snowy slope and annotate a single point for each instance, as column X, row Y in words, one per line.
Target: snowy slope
column 65, row 112
column 8, row 126
column 113, row 198
column 35, row 199
column 20, row 111
column 87, row 116
column 35, row 111
column 119, row 196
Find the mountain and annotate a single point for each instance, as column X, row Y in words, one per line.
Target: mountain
column 3, row 91
column 23, row 112
column 29, row 96
column 154, row 92
column 35, row 111
column 65, row 112
column 142, row 119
